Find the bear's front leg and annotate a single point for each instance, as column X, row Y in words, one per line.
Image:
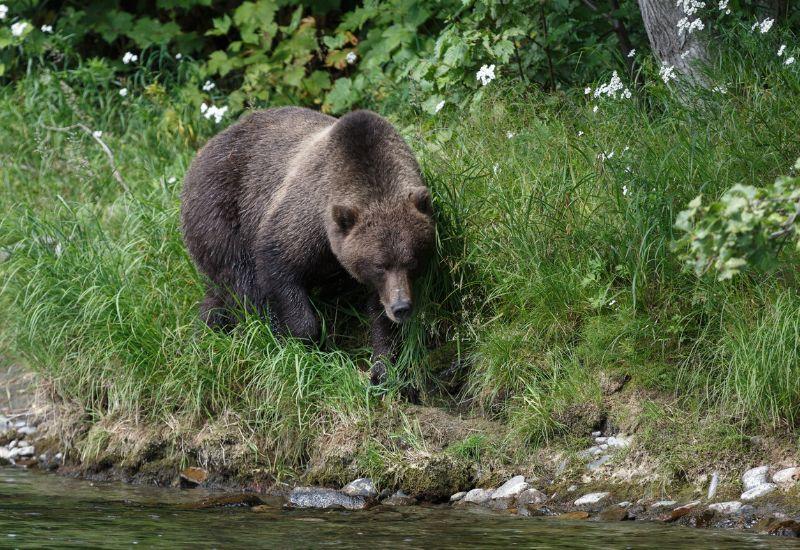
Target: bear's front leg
column 291, row 312
column 383, row 334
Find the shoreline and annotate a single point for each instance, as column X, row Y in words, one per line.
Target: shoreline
column 601, row 498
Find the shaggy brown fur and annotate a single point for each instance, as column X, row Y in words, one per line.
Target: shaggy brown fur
column 289, row 198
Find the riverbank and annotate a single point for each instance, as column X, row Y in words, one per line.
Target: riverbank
column 610, row 481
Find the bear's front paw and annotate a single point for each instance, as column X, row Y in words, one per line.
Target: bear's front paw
column 377, row 374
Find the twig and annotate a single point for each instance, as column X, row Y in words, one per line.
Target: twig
column 102, row 144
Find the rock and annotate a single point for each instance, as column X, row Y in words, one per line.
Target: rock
column 531, row 496
column 701, row 519
column 619, row 441
column 662, row 504
column 754, row 477
column 758, row 491
column 478, row 496
column 361, row 487
column 786, row 477
column 624, row 504
column 597, row 434
column 458, row 496
column 589, row 453
column 500, row 503
column 510, row 488
column 600, row 440
column 680, row 511
column 573, row 515
column 592, row 498
column 614, row 513
column 226, row 501
column 192, row 476
column 598, row 463
column 572, row 488
column 726, row 508
column 400, row 499
column 712, row 487
column 27, row 430
column 784, row 528
column 320, row 497
column 27, row 450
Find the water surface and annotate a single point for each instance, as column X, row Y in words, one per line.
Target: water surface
column 40, row 510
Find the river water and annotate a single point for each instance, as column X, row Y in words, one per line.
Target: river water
column 48, row 511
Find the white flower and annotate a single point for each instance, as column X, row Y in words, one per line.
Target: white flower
column 684, row 25
column 595, row 109
column 781, row 50
column 178, row 56
column 47, row 28
column 625, row 190
column 208, row 86
column 212, row 111
column 18, row 28
column 789, row 60
column 723, row 5
column 632, row 53
column 485, row 74
column 667, row 73
column 722, row 89
column 611, row 303
column 172, row 179
column 587, row 91
column 351, row 58
column 510, row 135
column 439, row 106
column 611, row 88
column 3, row 11
column 129, row 58
column 123, row 92
column 690, row 7
column 496, row 169
column 626, row 94
column 97, row 133
column 580, row 133
column 764, row 26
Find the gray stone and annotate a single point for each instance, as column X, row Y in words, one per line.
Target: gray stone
column 27, row 450
column 619, row 441
column 458, row 496
column 726, row 508
column 478, row 496
column 600, row 440
column 597, row 434
column 754, row 477
column 758, row 491
column 712, row 487
column 598, row 463
column 531, row 496
column 361, row 487
column 400, row 499
column 27, row 430
column 320, row 497
column 588, row 453
column 592, row 498
column 572, row 488
column 624, row 504
column 786, row 477
column 510, row 488
column 663, row 504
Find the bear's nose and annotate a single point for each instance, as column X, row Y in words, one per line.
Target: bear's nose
column 401, row 309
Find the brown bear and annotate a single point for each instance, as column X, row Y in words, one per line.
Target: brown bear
column 288, row 199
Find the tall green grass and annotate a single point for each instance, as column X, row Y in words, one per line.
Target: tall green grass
column 555, row 263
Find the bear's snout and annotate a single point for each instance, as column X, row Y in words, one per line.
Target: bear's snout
column 401, row 310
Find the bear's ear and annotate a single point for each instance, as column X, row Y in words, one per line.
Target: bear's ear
column 421, row 198
column 345, row 217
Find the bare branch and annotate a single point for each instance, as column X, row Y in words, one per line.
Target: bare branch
column 102, row 144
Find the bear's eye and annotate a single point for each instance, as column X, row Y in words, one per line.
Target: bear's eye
column 383, row 267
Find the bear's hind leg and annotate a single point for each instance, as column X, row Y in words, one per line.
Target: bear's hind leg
column 292, row 314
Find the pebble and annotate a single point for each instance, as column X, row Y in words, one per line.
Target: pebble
column 592, row 498
column 754, row 477
column 27, row 430
column 596, row 464
column 361, row 487
column 727, row 508
column 787, row 476
column 597, row 434
column 663, row 504
column 478, row 496
column 624, row 504
column 572, row 488
column 712, row 487
column 458, row 496
column 758, row 491
column 619, row 441
column 511, row 488
column 27, row 450
column 531, row 496
column 600, row 440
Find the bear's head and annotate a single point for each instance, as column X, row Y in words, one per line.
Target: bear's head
column 385, row 245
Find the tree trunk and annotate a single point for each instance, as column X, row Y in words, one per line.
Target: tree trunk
column 683, row 51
